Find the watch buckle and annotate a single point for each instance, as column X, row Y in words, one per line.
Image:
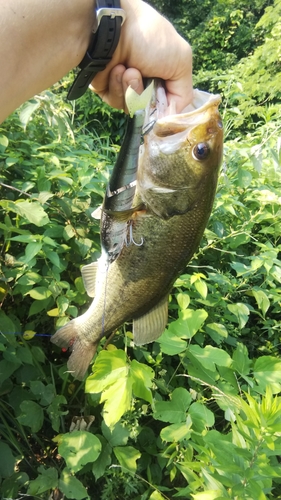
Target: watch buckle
column 111, row 12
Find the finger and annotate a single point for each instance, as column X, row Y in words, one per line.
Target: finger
column 110, row 88
column 180, row 89
column 132, row 78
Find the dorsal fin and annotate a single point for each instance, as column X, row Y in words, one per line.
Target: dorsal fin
column 89, row 274
column 151, row 325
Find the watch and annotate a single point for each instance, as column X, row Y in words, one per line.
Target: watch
column 104, row 40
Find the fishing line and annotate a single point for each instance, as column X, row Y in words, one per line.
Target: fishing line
column 22, row 334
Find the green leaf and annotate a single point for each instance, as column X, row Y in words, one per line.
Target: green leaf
column 201, row 288
column 117, row 380
column 117, row 397
column 27, row 110
column 79, row 448
column 113, row 379
column 127, row 457
column 189, row 323
column 209, row 356
column 217, row 332
column 40, row 305
column 13, row 484
column 30, row 210
column 183, row 300
column 262, row 300
column 244, row 178
column 6, row 324
column 209, row 495
column 31, row 415
column 241, row 311
column 142, row 377
column 71, row 487
column 171, row 343
column 47, row 480
column 7, row 368
column 7, row 462
column 40, row 293
column 31, row 250
column 4, row 142
column 54, row 411
column 201, row 417
column 117, row 436
column 45, row 393
column 156, row 495
column 177, row 432
column 241, row 361
column 267, row 372
column 104, row 460
column 173, row 411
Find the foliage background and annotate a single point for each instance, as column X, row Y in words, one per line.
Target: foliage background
column 196, row 415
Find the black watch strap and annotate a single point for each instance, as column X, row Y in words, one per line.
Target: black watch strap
column 104, row 40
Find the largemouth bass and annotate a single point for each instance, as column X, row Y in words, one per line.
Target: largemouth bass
column 176, row 181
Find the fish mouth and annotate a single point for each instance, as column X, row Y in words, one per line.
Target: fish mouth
column 163, row 120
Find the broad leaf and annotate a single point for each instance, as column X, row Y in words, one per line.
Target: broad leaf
column 267, row 371
column 173, row 411
column 127, row 457
column 176, row 432
column 241, row 311
column 47, row 480
column 171, row 343
column 72, row 487
column 78, row 448
column 189, row 322
column 142, row 376
column 31, row 415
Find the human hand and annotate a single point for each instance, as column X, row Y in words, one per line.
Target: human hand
column 149, row 46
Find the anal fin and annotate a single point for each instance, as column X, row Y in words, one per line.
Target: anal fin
column 89, row 275
column 151, row 325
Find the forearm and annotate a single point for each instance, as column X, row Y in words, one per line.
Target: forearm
column 40, row 43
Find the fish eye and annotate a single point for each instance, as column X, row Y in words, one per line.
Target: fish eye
column 201, row 151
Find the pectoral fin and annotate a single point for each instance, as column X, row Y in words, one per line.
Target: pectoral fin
column 124, row 215
column 89, row 274
column 149, row 327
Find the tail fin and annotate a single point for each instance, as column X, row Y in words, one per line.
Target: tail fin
column 82, row 352
column 65, row 336
column 81, row 356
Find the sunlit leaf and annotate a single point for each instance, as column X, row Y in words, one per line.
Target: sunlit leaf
column 267, row 371
column 241, row 311
column 78, row 448
column 171, row 343
column 189, row 322
column 142, row 377
column 40, row 293
column 127, row 457
column 176, row 432
column 173, row 411
column 262, row 300
column 72, row 487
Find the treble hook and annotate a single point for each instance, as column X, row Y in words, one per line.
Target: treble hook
column 131, row 237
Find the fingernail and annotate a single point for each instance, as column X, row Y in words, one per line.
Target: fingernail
column 134, row 83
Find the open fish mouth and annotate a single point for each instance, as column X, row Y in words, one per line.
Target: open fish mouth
column 169, row 128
